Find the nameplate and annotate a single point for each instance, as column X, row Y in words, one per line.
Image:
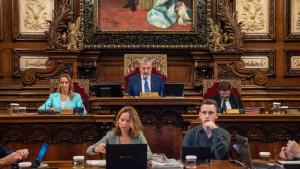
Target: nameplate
column 232, row 111
column 149, row 95
column 66, row 111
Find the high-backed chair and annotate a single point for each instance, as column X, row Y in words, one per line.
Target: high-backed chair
column 131, row 65
column 81, row 86
column 211, row 87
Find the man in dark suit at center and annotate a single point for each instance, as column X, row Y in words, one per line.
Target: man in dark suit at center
column 145, row 81
column 226, row 99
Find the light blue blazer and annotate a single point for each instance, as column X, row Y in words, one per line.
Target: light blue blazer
column 54, row 101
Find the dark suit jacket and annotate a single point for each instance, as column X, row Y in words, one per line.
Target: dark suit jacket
column 135, row 85
column 4, row 151
column 234, row 100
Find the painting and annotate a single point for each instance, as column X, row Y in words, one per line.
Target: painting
column 292, row 63
column 31, row 18
column 144, row 24
column 292, row 18
column 260, row 59
column 258, row 19
column 145, row 15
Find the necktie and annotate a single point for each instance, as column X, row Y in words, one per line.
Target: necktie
column 146, row 85
column 224, row 105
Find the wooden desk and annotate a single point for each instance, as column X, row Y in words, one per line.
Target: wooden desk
column 70, row 135
column 217, row 164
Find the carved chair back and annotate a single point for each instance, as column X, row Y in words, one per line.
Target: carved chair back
column 131, row 65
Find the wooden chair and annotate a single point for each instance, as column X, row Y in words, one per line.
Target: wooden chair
column 131, row 65
column 211, row 87
column 81, row 86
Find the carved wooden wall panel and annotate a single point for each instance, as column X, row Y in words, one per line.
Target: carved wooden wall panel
column 1, row 19
column 1, row 59
column 30, row 19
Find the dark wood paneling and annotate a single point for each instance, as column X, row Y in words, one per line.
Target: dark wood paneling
column 1, row 20
column 265, row 132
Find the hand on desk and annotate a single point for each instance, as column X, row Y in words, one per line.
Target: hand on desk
column 101, row 148
column 291, row 151
column 14, row 157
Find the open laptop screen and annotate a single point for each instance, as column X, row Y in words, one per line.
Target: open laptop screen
column 173, row 90
column 40, row 156
column 108, row 90
column 120, row 156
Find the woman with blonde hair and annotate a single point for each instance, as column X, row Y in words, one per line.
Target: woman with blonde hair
column 128, row 130
column 64, row 97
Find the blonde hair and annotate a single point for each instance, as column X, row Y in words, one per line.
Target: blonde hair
column 70, row 92
column 135, row 122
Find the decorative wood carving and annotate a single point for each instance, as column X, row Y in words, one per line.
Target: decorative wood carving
column 1, row 57
column 57, row 34
column 1, row 20
column 29, row 76
column 55, row 133
column 204, row 70
column 87, row 70
column 235, row 70
column 233, row 37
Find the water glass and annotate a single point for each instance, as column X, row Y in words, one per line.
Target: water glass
column 78, row 162
column 22, row 110
column 13, row 108
column 265, row 156
column 190, row 162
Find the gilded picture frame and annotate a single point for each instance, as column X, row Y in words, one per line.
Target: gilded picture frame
column 97, row 38
column 292, row 19
column 1, row 20
column 292, row 58
column 260, row 59
column 30, row 19
column 258, row 19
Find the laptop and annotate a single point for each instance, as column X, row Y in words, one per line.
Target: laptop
column 173, row 90
column 108, row 90
column 39, row 159
column 242, row 148
column 203, row 153
column 120, row 156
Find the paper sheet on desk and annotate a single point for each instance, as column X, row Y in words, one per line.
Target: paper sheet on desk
column 170, row 164
column 96, row 163
column 289, row 162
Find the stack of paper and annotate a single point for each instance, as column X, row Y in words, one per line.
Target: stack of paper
column 170, row 164
column 252, row 110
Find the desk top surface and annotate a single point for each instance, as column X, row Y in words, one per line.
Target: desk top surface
column 215, row 164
